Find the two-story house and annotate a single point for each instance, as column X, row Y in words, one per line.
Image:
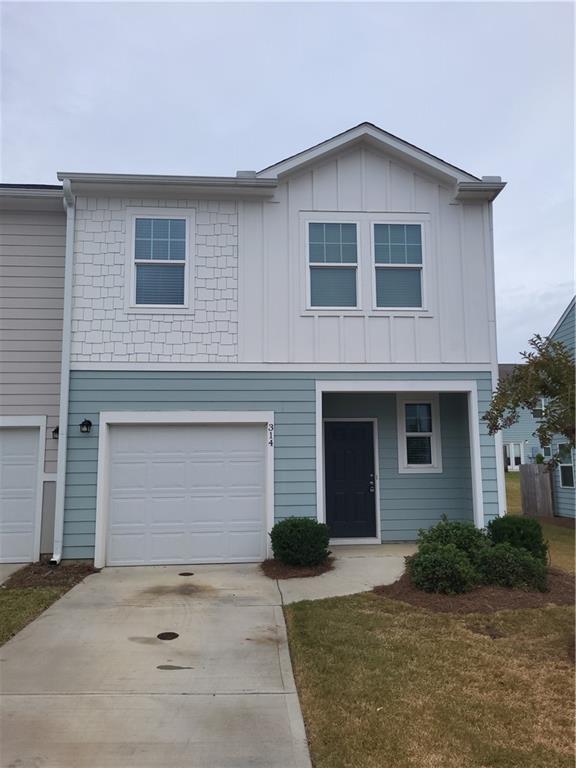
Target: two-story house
column 564, row 489
column 521, row 443
column 32, row 237
column 315, row 339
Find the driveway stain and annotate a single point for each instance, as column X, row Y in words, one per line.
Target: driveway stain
column 171, row 667
column 180, row 590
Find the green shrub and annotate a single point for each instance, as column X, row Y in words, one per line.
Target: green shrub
column 300, row 541
column 442, row 568
column 522, row 532
column 509, row 566
column 465, row 536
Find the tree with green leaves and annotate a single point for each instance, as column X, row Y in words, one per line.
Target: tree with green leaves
column 547, row 372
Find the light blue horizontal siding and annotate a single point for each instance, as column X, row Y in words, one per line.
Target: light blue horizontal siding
column 523, row 432
column 564, row 498
column 566, row 331
column 291, row 396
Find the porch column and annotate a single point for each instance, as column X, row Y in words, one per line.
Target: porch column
column 475, row 457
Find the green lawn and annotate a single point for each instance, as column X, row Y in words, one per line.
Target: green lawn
column 561, row 540
column 384, row 684
column 19, row 606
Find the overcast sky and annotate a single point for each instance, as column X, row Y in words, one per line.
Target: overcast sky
column 212, row 88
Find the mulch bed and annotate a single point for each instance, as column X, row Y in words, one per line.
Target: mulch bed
column 483, row 599
column 274, row 569
column 42, row 574
column 561, row 522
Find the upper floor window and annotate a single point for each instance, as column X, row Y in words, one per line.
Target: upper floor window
column 333, row 265
column 565, row 465
column 398, row 265
column 160, row 261
column 419, row 435
column 540, row 409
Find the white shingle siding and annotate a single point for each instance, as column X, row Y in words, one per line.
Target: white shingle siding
column 103, row 330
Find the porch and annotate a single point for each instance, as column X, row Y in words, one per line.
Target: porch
column 395, row 456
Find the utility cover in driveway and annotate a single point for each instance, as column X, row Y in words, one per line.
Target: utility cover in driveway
column 186, row 494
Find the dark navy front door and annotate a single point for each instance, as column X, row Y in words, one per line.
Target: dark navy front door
column 350, row 479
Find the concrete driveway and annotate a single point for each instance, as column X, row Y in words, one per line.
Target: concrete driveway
column 90, row 685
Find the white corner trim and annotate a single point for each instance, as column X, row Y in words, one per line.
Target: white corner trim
column 39, row 423
column 109, row 418
column 436, row 439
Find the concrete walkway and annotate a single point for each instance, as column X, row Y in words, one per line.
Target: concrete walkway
column 90, row 684
column 357, row 568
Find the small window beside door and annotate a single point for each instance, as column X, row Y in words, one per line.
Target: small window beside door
column 419, row 444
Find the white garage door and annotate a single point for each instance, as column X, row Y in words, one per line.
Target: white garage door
column 186, row 494
column 19, row 448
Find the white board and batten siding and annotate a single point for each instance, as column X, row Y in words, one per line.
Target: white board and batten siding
column 32, row 247
column 458, row 322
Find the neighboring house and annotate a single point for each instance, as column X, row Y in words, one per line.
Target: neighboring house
column 315, row 339
column 564, row 493
column 32, row 235
column 521, row 444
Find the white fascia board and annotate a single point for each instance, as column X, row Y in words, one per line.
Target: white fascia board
column 122, row 184
column 380, row 139
column 478, row 191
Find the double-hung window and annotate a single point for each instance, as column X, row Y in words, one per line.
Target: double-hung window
column 565, row 465
column 398, row 265
column 419, row 435
column 161, row 257
column 333, row 265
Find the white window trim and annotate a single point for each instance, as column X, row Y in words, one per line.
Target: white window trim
column 566, row 464
column 435, row 438
column 365, row 270
column 375, row 266
column 109, row 418
column 335, row 218
column 189, row 215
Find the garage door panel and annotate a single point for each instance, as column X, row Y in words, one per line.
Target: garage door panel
column 19, row 452
column 167, row 475
column 197, row 490
column 163, row 510
column 129, row 475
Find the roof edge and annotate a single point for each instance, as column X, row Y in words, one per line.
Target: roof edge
column 367, row 130
column 563, row 316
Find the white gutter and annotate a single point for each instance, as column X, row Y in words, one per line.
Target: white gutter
column 69, row 205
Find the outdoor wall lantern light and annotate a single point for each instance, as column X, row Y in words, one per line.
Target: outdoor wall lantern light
column 86, row 426
column 55, row 433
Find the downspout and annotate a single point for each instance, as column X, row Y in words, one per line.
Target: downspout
column 69, row 205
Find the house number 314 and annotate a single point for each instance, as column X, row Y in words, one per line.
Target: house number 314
column 271, row 434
